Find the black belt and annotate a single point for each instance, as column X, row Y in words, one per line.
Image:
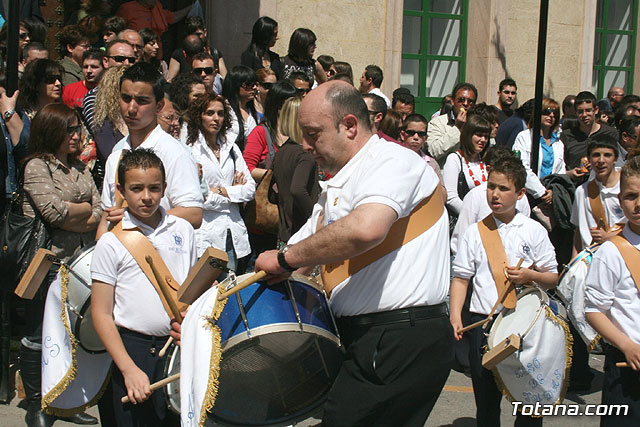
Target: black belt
column 125, row 331
column 395, row 316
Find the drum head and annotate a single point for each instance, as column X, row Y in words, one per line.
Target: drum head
column 172, row 390
column 85, row 332
column 519, row 320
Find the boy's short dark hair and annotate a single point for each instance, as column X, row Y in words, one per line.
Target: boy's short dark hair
column 147, row 73
column 142, row 158
column 628, row 125
column 630, row 169
column 415, row 118
column 115, row 24
column 299, row 75
column 377, row 103
column 613, row 145
column 586, row 97
column 93, row 53
column 507, row 82
column 374, row 73
column 512, row 168
column 403, row 96
column 495, row 154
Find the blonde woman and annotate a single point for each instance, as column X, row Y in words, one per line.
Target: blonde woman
column 295, row 172
column 109, row 126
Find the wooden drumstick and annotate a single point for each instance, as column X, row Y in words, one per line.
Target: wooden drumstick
column 501, row 297
column 250, row 281
column 164, row 288
column 155, row 386
column 164, row 349
column 623, row 365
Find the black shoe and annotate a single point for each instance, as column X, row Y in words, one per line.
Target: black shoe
column 80, row 418
column 36, row 418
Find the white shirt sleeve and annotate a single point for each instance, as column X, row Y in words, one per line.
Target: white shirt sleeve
column 464, row 265
column 600, row 282
column 246, row 192
column 104, row 267
column 450, row 173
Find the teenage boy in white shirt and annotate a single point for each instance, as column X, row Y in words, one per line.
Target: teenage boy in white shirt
column 128, row 313
column 612, row 304
column 521, row 237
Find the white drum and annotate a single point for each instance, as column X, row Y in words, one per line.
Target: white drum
column 79, row 301
column 172, row 390
column 536, row 373
column 571, row 290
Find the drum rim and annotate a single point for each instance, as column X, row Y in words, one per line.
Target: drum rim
column 589, row 250
column 80, row 253
column 76, row 328
column 543, row 301
column 171, row 354
column 280, row 327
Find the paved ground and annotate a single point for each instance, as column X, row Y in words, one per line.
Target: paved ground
column 455, row 408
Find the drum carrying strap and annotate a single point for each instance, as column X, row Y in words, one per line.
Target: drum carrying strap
column 497, row 256
column 631, row 256
column 139, row 247
column 404, row 230
column 593, row 192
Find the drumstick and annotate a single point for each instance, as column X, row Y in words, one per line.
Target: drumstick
column 473, row 325
column 622, row 365
column 164, row 349
column 164, row 288
column 155, row 386
column 250, row 281
column 502, row 296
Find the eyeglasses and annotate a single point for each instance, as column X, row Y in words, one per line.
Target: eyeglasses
column 266, row 85
column 549, row 111
column 173, row 118
column 420, row 133
column 249, row 85
column 23, row 36
column 74, row 129
column 462, row 100
column 52, row 78
column 207, row 70
column 303, row 91
column 121, row 58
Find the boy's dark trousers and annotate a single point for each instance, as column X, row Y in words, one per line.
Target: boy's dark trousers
column 485, row 390
column 621, row 387
column 143, row 349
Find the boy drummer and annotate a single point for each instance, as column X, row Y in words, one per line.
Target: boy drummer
column 128, row 313
column 521, row 237
column 612, row 303
column 596, row 209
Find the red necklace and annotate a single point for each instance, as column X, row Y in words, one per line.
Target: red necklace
column 475, row 181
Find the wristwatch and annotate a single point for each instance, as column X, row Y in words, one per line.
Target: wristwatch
column 8, row 114
column 282, row 261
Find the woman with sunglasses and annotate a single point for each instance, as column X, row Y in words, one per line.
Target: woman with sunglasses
column 240, row 88
column 266, row 79
column 551, row 151
column 227, row 179
column 464, row 169
column 60, row 187
column 259, row 54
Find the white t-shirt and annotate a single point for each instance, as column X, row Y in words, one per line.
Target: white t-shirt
column 610, row 289
column 522, row 238
column 582, row 216
column 450, row 173
column 475, row 208
column 416, row 274
column 183, row 185
column 137, row 305
column 377, row 91
column 221, row 213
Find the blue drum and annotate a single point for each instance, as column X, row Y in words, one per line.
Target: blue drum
column 280, row 353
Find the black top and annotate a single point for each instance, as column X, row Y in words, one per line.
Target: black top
column 575, row 143
column 504, row 115
column 296, row 175
column 252, row 61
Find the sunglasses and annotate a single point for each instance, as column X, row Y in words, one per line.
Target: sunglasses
column 548, row 111
column 266, row 85
column 23, row 36
column 207, row 70
column 249, row 85
column 74, row 129
column 420, row 133
column 303, row 91
column 52, row 78
column 462, row 100
column 121, row 58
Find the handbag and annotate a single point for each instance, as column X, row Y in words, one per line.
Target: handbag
column 20, row 238
column 260, row 213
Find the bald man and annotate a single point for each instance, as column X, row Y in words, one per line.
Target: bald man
column 391, row 312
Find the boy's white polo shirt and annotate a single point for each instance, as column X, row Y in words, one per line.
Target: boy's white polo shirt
column 417, row 273
column 610, row 289
column 522, row 238
column 137, row 305
column 183, row 184
column 582, row 215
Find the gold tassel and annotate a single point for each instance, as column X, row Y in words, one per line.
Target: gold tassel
column 216, row 357
column 592, row 345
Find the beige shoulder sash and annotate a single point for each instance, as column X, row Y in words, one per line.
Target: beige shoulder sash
column 404, row 230
column 593, row 192
column 630, row 255
column 497, row 256
column 139, row 247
